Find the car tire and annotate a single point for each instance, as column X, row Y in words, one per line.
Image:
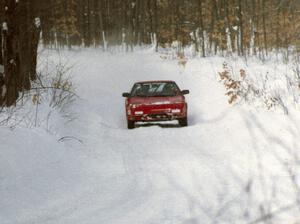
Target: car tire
column 130, row 124
column 183, row 122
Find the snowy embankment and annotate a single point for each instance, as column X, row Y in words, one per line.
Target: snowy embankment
column 233, row 164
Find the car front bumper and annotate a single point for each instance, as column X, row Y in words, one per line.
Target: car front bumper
column 157, row 114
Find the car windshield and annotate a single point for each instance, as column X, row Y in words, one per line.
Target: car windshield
column 155, row 89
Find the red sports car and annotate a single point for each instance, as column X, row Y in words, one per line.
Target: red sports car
column 156, row 101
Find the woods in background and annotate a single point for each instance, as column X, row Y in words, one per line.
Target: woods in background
column 242, row 26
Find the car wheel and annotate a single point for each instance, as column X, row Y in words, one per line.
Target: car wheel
column 130, row 124
column 183, row 122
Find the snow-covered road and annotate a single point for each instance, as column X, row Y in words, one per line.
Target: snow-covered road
column 228, row 166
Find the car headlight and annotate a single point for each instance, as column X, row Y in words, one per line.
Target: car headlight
column 176, row 111
column 138, row 112
column 134, row 105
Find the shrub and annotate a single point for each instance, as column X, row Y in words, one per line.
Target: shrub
column 51, row 94
column 268, row 92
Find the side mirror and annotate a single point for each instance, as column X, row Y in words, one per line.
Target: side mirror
column 184, row 92
column 126, row 94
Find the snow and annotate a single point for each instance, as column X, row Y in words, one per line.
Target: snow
column 4, row 26
column 37, row 22
column 233, row 164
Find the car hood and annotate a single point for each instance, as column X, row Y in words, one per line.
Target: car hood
column 156, row 100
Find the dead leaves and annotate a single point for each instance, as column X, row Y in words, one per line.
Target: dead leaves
column 232, row 86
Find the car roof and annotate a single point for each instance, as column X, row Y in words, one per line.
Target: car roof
column 154, row 81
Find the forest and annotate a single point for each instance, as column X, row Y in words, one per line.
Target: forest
column 227, row 25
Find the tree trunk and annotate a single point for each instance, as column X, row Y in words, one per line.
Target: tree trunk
column 20, row 37
column 200, row 21
column 264, row 26
column 241, row 28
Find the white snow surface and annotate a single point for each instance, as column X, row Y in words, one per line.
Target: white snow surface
column 232, row 164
